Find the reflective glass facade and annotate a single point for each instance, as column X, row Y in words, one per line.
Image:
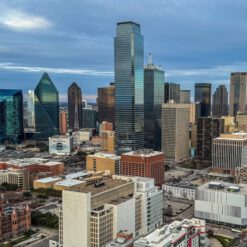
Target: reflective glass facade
column 46, row 108
column 11, row 115
column 203, row 95
column 153, row 99
column 220, row 102
column 129, row 94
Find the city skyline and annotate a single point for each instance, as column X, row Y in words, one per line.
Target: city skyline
column 84, row 49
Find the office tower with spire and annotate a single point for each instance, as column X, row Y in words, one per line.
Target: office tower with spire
column 106, row 103
column 11, row 115
column 220, row 102
column 129, row 86
column 75, row 106
column 46, row 108
column 238, row 93
column 203, row 96
column 153, row 99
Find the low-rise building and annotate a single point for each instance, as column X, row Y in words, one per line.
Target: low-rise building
column 102, row 162
column 61, row 145
column 222, row 203
column 46, row 182
column 182, row 191
column 186, row 233
column 124, row 239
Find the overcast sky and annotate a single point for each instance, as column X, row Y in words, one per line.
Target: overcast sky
column 193, row 40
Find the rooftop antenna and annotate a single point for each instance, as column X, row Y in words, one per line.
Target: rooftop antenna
column 150, row 58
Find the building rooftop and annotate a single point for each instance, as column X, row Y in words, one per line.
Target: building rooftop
column 107, row 184
column 48, row 180
column 233, row 136
column 77, row 175
column 143, row 153
column 69, row 182
column 61, row 137
column 169, row 233
column 225, row 187
column 52, row 163
column 105, row 155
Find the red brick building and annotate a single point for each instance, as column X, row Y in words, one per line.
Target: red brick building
column 14, row 221
column 144, row 163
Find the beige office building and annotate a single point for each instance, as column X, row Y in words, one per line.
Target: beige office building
column 241, row 121
column 229, row 125
column 108, row 141
column 93, row 216
column 238, row 93
column 229, row 152
column 103, row 162
column 175, row 132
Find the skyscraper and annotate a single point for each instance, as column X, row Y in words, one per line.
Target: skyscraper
column 11, row 115
column 208, row 128
column 203, row 95
column 129, row 95
column 184, row 96
column 63, row 122
column 106, row 103
column 220, row 102
column 75, row 106
column 153, row 99
column 238, row 93
column 46, row 108
column 171, row 92
column 30, row 110
column 175, row 132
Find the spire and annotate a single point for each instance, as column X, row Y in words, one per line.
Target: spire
column 150, row 58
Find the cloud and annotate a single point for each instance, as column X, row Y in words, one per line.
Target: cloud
column 92, row 72
column 21, row 21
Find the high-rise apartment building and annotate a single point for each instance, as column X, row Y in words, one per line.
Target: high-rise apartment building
column 186, row 233
column 171, row 92
column 11, row 115
column 144, row 163
column 103, row 162
column 75, row 106
column 106, row 103
column 63, row 122
column 184, row 96
column 203, row 95
column 220, row 102
column 208, row 128
column 129, row 83
column 46, row 108
column 153, row 99
column 95, row 215
column 238, row 93
column 229, row 152
column 175, row 132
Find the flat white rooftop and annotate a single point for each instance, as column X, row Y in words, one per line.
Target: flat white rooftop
column 48, row 179
column 143, row 153
column 78, row 174
column 69, row 182
column 105, row 155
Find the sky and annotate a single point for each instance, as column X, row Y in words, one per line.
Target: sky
column 72, row 40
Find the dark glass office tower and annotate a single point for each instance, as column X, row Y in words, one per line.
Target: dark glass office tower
column 106, row 104
column 89, row 118
column 129, row 99
column 171, row 92
column 238, row 93
column 11, row 115
column 75, row 106
column 153, row 99
column 220, row 102
column 46, row 108
column 203, row 95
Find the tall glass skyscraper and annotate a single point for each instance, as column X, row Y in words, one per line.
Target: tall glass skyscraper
column 220, row 102
column 153, row 99
column 11, row 115
column 203, row 96
column 129, row 94
column 46, row 108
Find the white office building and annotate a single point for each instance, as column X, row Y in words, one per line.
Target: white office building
column 186, row 233
column 95, row 215
column 180, row 191
column 61, row 145
column 222, row 203
column 229, row 152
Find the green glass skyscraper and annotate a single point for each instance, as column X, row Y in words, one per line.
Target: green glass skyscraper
column 153, row 99
column 11, row 115
column 46, row 108
column 129, row 94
